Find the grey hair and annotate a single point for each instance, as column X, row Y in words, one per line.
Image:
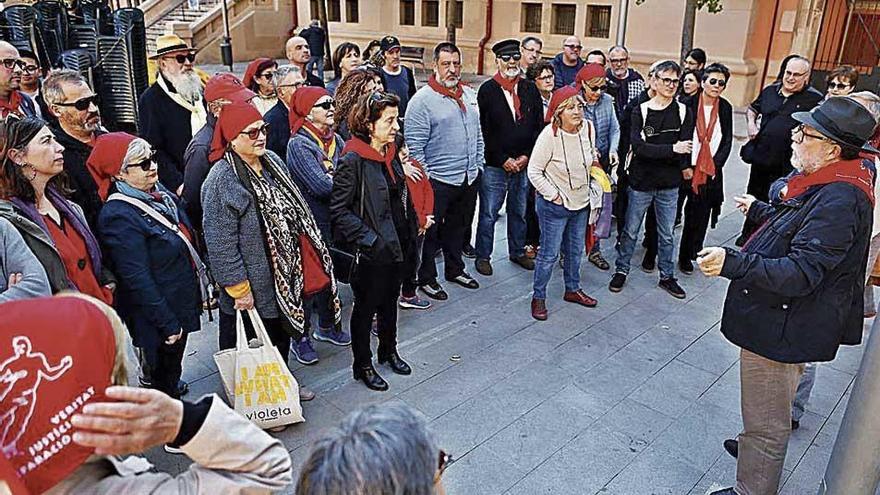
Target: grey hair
column 138, row 151
column 868, row 100
column 281, row 73
column 618, row 47
column 653, row 69
column 53, row 90
column 530, row 39
column 384, row 449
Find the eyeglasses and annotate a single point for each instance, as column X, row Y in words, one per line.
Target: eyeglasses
column 799, row 133
column 506, row 58
column 31, row 68
column 789, row 73
column 601, row 87
column 182, row 59
column 326, row 105
column 573, row 47
column 834, row 85
column 548, row 77
column 536, row 51
column 145, row 165
column 668, row 81
column 617, row 61
column 716, row 82
column 82, row 104
column 254, row 134
column 294, row 85
column 11, row 63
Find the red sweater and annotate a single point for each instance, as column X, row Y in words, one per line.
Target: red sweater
column 72, row 248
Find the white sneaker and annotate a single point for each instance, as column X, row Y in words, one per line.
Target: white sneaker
column 173, row 450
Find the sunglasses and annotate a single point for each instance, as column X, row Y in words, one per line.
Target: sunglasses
column 716, row 82
column 507, row 58
column 834, row 85
column 600, row 87
column 327, row 105
column 254, row 134
column 182, row 59
column 573, row 47
column 11, row 63
column 145, row 165
column 82, row 104
column 267, row 75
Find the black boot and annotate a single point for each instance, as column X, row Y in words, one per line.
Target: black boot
column 371, row 379
column 396, row 364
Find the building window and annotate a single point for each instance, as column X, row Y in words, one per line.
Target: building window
column 562, row 19
column 313, row 7
column 458, row 13
column 334, row 12
column 431, row 13
column 598, row 21
column 407, row 12
column 530, row 18
column 351, row 10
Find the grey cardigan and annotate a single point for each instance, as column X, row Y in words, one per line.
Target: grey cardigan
column 233, row 236
column 16, row 257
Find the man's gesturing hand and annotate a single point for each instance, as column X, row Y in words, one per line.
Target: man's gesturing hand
column 711, row 260
column 142, row 418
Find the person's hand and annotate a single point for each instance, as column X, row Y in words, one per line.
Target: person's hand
column 783, row 191
column 142, row 418
column 174, row 338
column 522, row 162
column 111, row 287
column 557, row 200
column 613, row 159
column 688, row 173
column 14, row 279
column 509, row 166
column 429, row 221
column 412, row 171
column 744, row 202
column 244, row 302
column 711, row 260
column 682, row 147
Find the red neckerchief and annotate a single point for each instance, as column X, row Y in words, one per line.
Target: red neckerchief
column 12, row 105
column 355, row 145
column 509, row 85
column 326, row 137
column 454, row 93
column 705, row 163
column 849, row 171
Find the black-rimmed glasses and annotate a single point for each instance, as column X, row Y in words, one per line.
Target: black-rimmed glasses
column 182, row 59
column 11, row 63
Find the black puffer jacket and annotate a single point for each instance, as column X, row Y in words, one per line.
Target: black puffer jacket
column 796, row 287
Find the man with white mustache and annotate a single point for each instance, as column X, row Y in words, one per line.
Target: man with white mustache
column 511, row 112
column 442, row 127
column 171, row 111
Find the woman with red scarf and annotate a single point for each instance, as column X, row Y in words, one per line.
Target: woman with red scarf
column 373, row 215
column 258, row 77
column 713, row 137
column 54, row 228
column 312, row 154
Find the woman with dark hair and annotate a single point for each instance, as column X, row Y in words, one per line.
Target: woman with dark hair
column 258, row 78
column 265, row 248
column 690, row 85
column 373, row 215
column 149, row 239
column 346, row 58
column 842, row 80
column 54, row 228
column 358, row 83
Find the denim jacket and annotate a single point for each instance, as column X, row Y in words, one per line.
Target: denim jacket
column 605, row 122
column 447, row 141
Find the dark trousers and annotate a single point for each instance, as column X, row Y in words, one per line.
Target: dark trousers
column 453, row 214
column 411, row 261
column 375, row 289
column 533, row 230
column 697, row 212
column 319, row 303
column 651, row 233
column 759, row 187
column 168, row 367
column 275, row 327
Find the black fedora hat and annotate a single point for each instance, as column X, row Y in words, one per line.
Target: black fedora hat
column 842, row 120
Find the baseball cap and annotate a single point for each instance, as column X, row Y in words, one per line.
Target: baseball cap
column 388, row 43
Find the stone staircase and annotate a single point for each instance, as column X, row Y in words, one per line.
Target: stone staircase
column 181, row 13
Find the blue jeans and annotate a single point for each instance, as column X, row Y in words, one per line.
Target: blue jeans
column 665, row 203
column 496, row 184
column 561, row 229
column 316, row 62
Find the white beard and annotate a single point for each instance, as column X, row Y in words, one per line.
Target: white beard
column 451, row 84
column 188, row 85
column 511, row 73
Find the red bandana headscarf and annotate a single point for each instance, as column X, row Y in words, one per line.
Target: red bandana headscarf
column 255, row 67
column 705, row 163
column 105, row 161
column 850, row 171
column 559, row 97
column 359, row 147
column 454, row 93
column 233, row 119
column 300, row 107
column 45, row 380
column 587, row 72
column 509, row 85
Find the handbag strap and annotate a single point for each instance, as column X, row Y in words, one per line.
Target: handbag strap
column 241, row 342
column 259, row 328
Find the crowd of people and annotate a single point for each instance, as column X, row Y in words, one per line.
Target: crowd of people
column 268, row 192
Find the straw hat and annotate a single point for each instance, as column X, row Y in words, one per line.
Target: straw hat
column 170, row 43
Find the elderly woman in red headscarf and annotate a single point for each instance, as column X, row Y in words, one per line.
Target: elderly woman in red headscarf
column 148, row 241
column 312, row 154
column 266, row 250
column 259, row 78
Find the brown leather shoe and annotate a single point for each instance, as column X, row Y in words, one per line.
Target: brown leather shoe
column 305, row 394
column 539, row 309
column 579, row 297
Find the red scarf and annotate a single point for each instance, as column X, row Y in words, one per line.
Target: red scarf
column 509, row 85
column 357, row 146
column 326, row 137
column 454, row 93
column 849, row 171
column 705, row 163
column 12, row 105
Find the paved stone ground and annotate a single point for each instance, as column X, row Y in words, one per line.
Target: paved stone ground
column 632, row 397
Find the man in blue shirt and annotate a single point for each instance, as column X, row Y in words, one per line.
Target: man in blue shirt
column 443, row 133
column 396, row 78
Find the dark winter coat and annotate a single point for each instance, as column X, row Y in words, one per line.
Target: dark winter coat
column 278, row 120
column 166, row 126
column 796, row 287
column 39, row 242
column 503, row 137
column 196, row 168
column 85, row 191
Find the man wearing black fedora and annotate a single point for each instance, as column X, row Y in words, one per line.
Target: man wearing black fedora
column 795, row 291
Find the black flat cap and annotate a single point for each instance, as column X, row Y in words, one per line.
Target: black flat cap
column 506, row 47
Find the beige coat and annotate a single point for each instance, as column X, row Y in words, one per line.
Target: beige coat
column 230, row 455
